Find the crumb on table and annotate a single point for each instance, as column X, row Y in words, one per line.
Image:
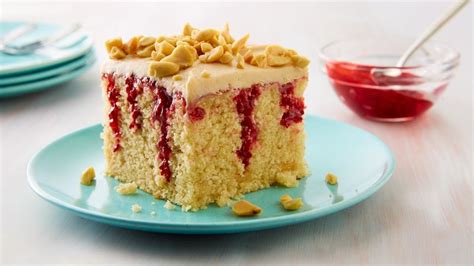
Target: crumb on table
column 88, row 176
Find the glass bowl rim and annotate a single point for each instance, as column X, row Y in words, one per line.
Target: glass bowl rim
column 452, row 60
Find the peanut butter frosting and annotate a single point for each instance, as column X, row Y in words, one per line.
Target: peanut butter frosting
column 201, row 62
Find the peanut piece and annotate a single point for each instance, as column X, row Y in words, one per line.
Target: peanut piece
column 203, row 58
column 132, row 45
column 290, row 204
column 215, row 54
column 248, row 56
column 157, row 56
column 126, row 188
column 277, row 60
column 300, row 61
column 240, row 61
column 145, row 41
column 206, row 35
column 258, row 60
column 245, row 208
column 146, row 52
column 226, row 58
column 88, row 176
column 164, row 47
column 221, row 40
column 285, row 198
column 162, row 69
column 177, row 77
column 239, row 44
column 205, row 74
column 206, row 47
column 116, row 42
column 183, row 55
column 225, row 33
column 187, row 29
column 117, row 53
column 331, row 179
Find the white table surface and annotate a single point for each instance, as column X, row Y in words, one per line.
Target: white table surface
column 422, row 215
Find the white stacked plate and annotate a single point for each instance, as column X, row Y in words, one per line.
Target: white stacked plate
column 46, row 67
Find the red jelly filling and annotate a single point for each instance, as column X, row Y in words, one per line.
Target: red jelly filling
column 293, row 106
column 196, row 113
column 133, row 90
column 245, row 104
column 113, row 94
column 367, row 96
column 161, row 112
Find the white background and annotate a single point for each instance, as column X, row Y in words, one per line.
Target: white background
column 422, row 215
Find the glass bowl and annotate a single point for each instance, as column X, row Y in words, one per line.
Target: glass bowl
column 364, row 76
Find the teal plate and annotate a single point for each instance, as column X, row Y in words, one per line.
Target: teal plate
column 71, row 47
column 47, row 72
column 362, row 162
column 46, row 83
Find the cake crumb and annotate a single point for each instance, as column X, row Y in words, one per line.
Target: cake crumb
column 126, row 188
column 136, row 208
column 245, row 208
column 290, row 204
column 168, row 205
column 153, row 203
column 88, row 176
column 331, row 179
column 153, row 213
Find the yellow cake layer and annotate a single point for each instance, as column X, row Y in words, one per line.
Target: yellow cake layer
column 205, row 166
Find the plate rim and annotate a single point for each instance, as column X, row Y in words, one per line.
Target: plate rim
column 36, row 86
column 68, row 66
column 89, row 43
column 220, row 227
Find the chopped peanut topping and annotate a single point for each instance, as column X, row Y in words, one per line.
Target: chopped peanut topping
column 177, row 77
column 88, row 176
column 245, row 208
column 240, row 61
column 164, row 47
column 182, row 56
column 238, row 45
column 215, row 54
column 331, row 179
column 226, row 58
column 117, row 53
column 162, row 69
column 207, row 46
column 291, row 204
column 116, row 42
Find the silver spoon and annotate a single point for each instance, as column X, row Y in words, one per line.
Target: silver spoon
column 435, row 27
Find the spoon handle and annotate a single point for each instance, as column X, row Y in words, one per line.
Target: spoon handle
column 431, row 31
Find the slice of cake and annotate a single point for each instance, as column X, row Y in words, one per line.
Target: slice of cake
column 201, row 118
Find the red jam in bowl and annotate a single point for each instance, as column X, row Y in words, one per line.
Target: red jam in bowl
column 378, row 98
column 364, row 76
